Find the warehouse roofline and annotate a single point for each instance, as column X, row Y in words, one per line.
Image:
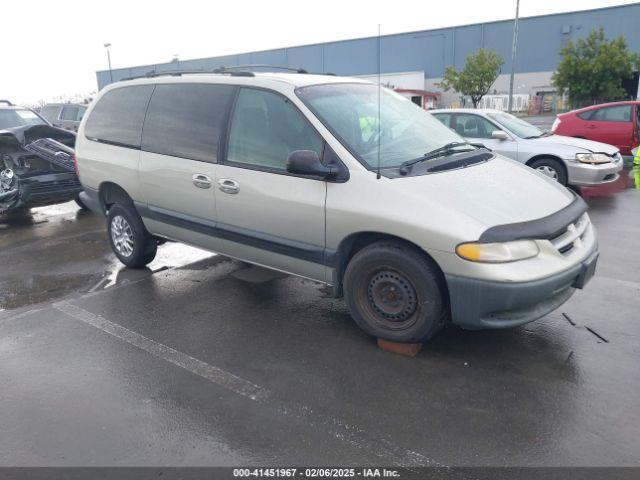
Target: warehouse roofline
column 391, row 35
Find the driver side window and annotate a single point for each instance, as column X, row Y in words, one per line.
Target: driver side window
column 266, row 128
column 368, row 127
column 473, row 126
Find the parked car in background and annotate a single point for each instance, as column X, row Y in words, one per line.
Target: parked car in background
column 285, row 171
column 64, row 115
column 36, row 161
column 617, row 124
column 570, row 161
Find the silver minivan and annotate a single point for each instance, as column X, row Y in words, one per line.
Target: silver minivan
column 331, row 179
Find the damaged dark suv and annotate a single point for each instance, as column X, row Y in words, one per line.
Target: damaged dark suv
column 36, row 161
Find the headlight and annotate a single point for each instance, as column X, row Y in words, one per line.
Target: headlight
column 556, row 124
column 498, row 252
column 593, row 158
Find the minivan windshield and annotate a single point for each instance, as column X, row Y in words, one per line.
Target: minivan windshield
column 404, row 131
column 516, row 125
column 10, row 118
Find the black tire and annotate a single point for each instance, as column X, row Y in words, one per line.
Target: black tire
column 548, row 164
column 395, row 292
column 140, row 246
column 80, row 203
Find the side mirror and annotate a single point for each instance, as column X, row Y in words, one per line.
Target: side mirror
column 499, row 135
column 307, row 162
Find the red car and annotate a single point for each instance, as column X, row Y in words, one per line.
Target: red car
column 612, row 123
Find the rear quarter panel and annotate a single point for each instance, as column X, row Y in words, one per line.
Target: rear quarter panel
column 99, row 163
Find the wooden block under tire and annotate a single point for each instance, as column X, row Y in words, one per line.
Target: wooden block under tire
column 406, row 349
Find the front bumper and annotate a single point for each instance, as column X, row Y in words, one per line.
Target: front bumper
column 584, row 174
column 478, row 304
column 41, row 190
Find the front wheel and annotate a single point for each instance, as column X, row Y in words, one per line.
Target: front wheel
column 394, row 292
column 130, row 241
column 551, row 168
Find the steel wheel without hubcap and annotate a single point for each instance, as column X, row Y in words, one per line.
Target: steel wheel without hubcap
column 394, row 292
column 548, row 171
column 122, row 236
column 393, row 299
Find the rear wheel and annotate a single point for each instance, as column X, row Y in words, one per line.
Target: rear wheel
column 394, row 292
column 551, row 168
column 130, row 241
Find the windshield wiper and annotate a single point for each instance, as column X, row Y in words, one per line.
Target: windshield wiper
column 543, row 134
column 443, row 151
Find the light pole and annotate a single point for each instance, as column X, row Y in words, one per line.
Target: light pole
column 107, row 45
column 513, row 55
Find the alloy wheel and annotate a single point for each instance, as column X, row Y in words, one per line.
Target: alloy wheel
column 548, row 171
column 122, row 236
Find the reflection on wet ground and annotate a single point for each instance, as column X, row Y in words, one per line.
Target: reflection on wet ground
column 57, row 250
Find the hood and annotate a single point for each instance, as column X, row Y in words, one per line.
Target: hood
column 12, row 139
column 578, row 143
column 496, row 192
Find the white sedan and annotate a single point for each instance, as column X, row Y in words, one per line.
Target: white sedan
column 570, row 161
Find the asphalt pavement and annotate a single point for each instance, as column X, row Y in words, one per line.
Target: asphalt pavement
column 202, row 360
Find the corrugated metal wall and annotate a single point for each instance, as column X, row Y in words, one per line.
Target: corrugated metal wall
column 540, row 39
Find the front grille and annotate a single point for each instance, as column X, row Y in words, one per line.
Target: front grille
column 572, row 236
column 52, row 151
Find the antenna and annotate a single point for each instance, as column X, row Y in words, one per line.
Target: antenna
column 379, row 96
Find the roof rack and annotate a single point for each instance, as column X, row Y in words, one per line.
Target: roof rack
column 7, row 102
column 172, row 73
column 177, row 73
column 234, row 70
column 258, row 65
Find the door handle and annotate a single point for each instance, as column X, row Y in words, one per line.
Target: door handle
column 591, row 127
column 227, row 185
column 201, row 180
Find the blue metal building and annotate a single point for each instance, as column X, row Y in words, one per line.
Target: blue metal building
column 430, row 51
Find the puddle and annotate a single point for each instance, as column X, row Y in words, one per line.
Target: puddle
column 39, row 288
column 174, row 254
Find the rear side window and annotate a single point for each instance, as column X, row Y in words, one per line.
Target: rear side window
column 186, row 120
column 585, row 115
column 117, row 117
column 69, row 113
column 266, row 128
column 621, row 113
column 445, row 118
column 50, row 112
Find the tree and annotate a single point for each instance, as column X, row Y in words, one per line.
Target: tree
column 593, row 69
column 480, row 71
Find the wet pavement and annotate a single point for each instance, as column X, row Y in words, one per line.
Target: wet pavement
column 201, row 360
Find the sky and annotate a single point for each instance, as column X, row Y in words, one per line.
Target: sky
column 54, row 48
